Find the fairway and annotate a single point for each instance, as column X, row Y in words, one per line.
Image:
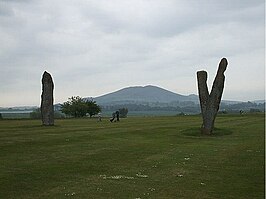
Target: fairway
column 138, row 157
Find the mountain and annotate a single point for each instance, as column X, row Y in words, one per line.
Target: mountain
column 142, row 95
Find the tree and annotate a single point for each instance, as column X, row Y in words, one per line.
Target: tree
column 123, row 112
column 1, row 117
column 93, row 108
column 78, row 107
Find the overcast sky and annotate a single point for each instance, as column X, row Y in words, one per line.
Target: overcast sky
column 96, row 47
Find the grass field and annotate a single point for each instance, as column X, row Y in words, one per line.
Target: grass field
column 139, row 157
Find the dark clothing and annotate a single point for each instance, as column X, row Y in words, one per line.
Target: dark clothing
column 113, row 117
column 117, row 115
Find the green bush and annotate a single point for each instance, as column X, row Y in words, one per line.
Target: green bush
column 78, row 107
column 123, row 112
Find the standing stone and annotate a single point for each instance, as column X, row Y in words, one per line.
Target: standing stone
column 210, row 103
column 47, row 103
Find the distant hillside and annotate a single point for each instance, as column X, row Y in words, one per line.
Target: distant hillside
column 142, row 99
column 156, row 99
column 146, row 94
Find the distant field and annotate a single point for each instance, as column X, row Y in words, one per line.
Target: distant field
column 144, row 113
column 22, row 114
column 138, row 157
column 15, row 115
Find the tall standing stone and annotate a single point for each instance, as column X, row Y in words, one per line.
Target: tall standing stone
column 47, row 100
column 210, row 102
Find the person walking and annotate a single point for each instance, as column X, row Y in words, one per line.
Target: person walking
column 99, row 117
column 117, row 115
column 113, row 117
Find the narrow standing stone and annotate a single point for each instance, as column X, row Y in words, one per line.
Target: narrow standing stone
column 47, row 100
column 210, row 103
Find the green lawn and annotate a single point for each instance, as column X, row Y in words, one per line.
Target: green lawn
column 148, row 157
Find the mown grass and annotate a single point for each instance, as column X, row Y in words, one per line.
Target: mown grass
column 139, row 157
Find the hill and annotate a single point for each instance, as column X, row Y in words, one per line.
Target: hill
column 153, row 98
column 143, row 95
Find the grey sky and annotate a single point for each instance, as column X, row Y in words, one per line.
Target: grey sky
column 96, row 47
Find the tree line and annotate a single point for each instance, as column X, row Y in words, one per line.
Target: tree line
column 79, row 107
column 74, row 107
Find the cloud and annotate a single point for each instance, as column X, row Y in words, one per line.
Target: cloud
column 94, row 47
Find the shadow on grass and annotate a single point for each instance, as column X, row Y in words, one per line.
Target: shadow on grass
column 196, row 132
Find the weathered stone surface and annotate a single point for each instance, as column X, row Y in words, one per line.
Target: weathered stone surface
column 210, row 102
column 47, row 100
